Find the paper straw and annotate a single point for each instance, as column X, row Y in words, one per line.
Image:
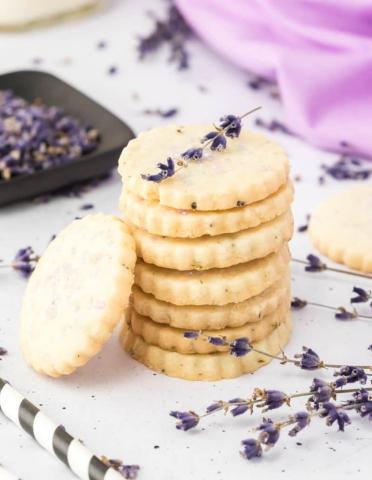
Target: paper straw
column 6, row 475
column 53, row 437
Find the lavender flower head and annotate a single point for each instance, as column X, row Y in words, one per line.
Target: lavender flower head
column 272, row 399
column 362, row 295
column 269, row 433
column 251, row 448
column 302, row 420
column 308, row 359
column 315, row 264
column 297, row 303
column 191, row 334
column 25, row 261
column 240, row 347
column 186, row 420
column 130, row 472
column 334, row 414
column 351, row 374
column 321, row 391
column 232, row 125
column 344, row 314
column 166, row 170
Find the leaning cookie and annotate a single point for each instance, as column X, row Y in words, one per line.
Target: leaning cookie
column 214, row 317
column 341, row 228
column 214, row 252
column 175, row 223
column 212, row 287
column 210, row 366
column 175, row 339
column 77, row 294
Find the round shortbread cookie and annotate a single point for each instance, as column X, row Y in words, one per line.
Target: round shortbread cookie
column 212, row 287
column 341, row 228
column 210, row 366
column 212, row 317
column 251, row 168
column 207, row 252
column 171, row 222
column 173, row 339
column 77, row 294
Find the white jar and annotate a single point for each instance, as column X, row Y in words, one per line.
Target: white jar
column 20, row 14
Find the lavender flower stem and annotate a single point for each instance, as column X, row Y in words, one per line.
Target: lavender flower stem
column 337, row 270
column 315, row 304
column 285, row 359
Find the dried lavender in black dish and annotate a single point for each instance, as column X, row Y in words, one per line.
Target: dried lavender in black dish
column 113, row 135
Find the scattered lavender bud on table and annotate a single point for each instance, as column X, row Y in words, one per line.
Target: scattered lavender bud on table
column 3, row 351
column 362, row 296
column 25, row 261
column 344, row 314
column 314, row 264
column 113, row 70
column 172, row 31
column 297, row 303
column 87, row 206
column 186, row 420
column 101, row 44
column 171, row 112
column 348, row 167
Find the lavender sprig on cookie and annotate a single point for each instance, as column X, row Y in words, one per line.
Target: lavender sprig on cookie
column 229, row 127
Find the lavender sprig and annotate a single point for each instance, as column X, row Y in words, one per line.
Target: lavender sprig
column 341, row 313
column 332, row 269
column 319, row 392
column 228, row 127
column 308, row 359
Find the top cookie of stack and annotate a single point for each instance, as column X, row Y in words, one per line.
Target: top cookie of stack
column 212, row 237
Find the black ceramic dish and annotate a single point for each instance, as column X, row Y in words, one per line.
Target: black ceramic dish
column 115, row 134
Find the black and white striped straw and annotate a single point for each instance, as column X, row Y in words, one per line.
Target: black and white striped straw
column 52, row 437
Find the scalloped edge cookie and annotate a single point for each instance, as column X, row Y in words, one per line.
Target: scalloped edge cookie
column 341, row 228
column 212, row 317
column 210, row 366
column 250, row 169
column 212, row 287
column 77, row 294
column 175, row 223
column 214, row 252
column 173, row 339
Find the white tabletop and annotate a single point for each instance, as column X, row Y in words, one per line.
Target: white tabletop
column 117, row 406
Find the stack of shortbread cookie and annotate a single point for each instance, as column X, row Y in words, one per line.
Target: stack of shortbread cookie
column 213, row 255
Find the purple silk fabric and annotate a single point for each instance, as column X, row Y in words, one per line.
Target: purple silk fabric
column 318, row 51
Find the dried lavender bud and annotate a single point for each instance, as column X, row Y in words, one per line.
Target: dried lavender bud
column 87, row 206
column 130, row 472
column 191, row 334
column 352, row 374
column 101, row 44
column 333, row 415
column 172, row 31
column 171, row 112
column 315, row 264
column 269, row 433
column 344, row 314
column 166, row 170
column 273, row 126
column 215, row 406
column 25, row 261
column 362, row 295
column 348, row 167
column 217, row 341
column 298, row 304
column 251, row 448
column 113, row 70
column 309, row 360
column 240, row 347
column 302, row 228
column 302, row 420
column 187, row 420
column 192, row 154
column 370, row 347
column 232, row 125
column 274, row 399
column 239, row 409
column 36, row 137
column 3, row 351
column 321, row 391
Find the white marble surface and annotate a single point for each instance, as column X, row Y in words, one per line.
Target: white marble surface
column 117, row 406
